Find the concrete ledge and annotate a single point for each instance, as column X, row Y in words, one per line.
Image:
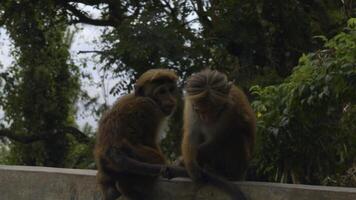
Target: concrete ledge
column 43, row 183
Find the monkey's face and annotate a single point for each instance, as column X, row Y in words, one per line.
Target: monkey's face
column 207, row 112
column 165, row 95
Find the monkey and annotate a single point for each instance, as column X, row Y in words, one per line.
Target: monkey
column 219, row 128
column 132, row 127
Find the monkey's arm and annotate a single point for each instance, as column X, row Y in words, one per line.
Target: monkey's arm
column 190, row 146
column 193, row 152
column 141, row 152
column 196, row 150
column 131, row 165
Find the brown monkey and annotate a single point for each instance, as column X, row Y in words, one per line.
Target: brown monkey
column 132, row 126
column 219, row 130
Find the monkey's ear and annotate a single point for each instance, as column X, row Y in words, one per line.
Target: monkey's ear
column 139, row 91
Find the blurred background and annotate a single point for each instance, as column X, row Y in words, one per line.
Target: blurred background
column 64, row 62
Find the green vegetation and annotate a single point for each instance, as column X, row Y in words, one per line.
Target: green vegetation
column 305, row 102
column 40, row 88
column 306, row 125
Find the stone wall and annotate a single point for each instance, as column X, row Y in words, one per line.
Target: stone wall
column 43, row 183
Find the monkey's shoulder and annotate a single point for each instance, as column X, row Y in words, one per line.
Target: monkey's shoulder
column 240, row 109
column 131, row 103
column 237, row 95
column 141, row 109
column 131, row 107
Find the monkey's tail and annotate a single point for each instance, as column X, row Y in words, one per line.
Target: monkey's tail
column 224, row 185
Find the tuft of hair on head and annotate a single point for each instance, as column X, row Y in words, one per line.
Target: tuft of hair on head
column 155, row 75
column 208, row 84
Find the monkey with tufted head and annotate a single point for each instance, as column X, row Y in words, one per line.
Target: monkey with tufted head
column 219, row 130
column 132, row 127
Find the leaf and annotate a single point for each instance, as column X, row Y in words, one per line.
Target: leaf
column 322, row 37
column 351, row 23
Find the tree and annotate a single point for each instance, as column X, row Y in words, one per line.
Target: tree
column 254, row 42
column 234, row 36
column 41, row 87
column 306, row 128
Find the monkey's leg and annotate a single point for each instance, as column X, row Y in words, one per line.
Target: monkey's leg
column 110, row 193
column 190, row 151
column 202, row 176
column 142, row 152
column 142, row 168
column 137, row 167
column 230, row 188
column 107, row 186
column 222, row 184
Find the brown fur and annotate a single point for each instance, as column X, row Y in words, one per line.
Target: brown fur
column 224, row 146
column 132, row 125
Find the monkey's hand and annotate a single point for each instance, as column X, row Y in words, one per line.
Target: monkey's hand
column 179, row 162
column 166, row 172
column 172, row 171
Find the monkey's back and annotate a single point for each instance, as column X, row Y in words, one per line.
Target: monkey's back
column 246, row 120
column 134, row 120
column 237, row 138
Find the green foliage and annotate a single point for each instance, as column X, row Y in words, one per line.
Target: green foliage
column 80, row 155
column 254, row 42
column 306, row 128
column 171, row 143
column 153, row 39
column 42, row 85
column 347, row 179
column 242, row 38
column 4, row 152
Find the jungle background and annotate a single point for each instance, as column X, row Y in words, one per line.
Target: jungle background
column 295, row 59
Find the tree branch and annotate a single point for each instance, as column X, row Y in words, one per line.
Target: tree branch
column 83, row 18
column 25, row 139
column 202, row 15
column 79, row 136
column 89, row 2
column 92, row 51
